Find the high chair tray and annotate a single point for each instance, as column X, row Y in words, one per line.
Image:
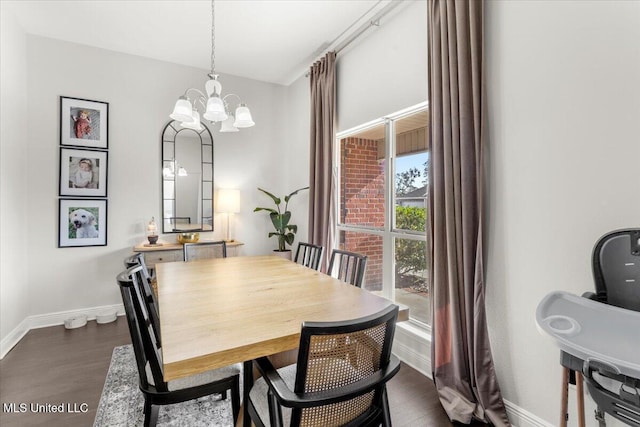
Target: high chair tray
column 592, row 331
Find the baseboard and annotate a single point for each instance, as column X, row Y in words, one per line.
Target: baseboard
column 520, row 417
column 413, row 347
column 51, row 319
column 14, row 337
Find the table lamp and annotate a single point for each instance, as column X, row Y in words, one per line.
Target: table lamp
column 228, row 204
column 152, row 232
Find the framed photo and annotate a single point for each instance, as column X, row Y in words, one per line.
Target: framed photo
column 82, row 222
column 83, row 173
column 84, row 123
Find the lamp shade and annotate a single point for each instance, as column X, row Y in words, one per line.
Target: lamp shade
column 194, row 123
column 215, row 110
column 227, row 125
column 243, row 117
column 228, row 200
column 182, row 110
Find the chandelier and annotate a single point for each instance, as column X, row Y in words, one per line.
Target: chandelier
column 216, row 108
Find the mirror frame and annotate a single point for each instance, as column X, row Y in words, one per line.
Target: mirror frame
column 168, row 151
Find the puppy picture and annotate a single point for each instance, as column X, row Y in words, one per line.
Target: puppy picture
column 83, row 223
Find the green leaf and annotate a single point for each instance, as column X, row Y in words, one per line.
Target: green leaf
column 280, row 221
column 286, row 198
column 289, row 238
column 276, row 200
column 265, row 209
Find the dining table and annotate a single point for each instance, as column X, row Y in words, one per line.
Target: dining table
column 223, row 311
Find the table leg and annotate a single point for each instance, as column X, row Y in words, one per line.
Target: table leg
column 565, row 397
column 247, row 383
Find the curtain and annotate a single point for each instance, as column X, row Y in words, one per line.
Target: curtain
column 462, row 363
column 322, row 78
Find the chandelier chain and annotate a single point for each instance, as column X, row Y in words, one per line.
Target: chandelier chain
column 213, row 38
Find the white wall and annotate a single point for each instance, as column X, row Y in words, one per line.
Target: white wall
column 14, row 164
column 564, row 105
column 386, row 70
column 141, row 93
column 297, row 148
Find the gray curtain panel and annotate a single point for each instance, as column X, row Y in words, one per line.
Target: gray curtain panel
column 462, row 363
column 321, row 180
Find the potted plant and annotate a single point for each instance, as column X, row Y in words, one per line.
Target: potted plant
column 280, row 219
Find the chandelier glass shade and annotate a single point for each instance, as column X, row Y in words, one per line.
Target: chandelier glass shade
column 215, row 107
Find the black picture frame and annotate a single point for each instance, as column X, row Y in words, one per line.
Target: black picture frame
column 82, row 222
column 83, row 172
column 84, row 123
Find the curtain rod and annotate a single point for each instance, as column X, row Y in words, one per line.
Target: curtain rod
column 373, row 22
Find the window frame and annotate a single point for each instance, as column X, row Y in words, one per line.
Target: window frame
column 389, row 233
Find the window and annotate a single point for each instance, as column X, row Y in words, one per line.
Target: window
column 382, row 174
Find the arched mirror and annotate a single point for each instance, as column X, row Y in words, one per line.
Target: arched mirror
column 187, row 179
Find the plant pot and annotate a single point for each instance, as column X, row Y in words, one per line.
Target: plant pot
column 283, row 254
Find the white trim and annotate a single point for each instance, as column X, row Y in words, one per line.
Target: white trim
column 14, row 337
column 50, row 319
column 520, row 417
column 412, row 345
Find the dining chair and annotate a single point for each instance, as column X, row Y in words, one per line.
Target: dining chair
column 147, row 290
column 347, row 266
column 309, row 255
column 331, row 385
column 205, row 250
column 138, row 259
column 155, row 390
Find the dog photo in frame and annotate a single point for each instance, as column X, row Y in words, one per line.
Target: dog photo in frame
column 82, row 222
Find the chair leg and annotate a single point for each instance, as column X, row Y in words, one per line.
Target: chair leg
column 565, row 397
column 235, row 398
column 580, row 392
column 150, row 414
column 386, row 414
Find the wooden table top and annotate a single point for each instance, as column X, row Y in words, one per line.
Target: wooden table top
column 218, row 312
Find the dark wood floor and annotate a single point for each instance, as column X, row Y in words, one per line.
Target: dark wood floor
column 59, row 366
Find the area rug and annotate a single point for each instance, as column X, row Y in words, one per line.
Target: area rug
column 121, row 403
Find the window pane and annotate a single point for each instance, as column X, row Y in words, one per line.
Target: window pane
column 362, row 178
column 411, row 278
column 371, row 246
column 411, row 167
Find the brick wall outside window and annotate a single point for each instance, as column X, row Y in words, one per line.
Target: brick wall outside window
column 362, row 202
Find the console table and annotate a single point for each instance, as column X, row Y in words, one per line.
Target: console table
column 169, row 252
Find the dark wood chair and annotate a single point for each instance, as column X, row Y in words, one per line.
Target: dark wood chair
column 138, row 259
column 347, row 266
column 205, row 250
column 149, row 362
column 148, row 290
column 309, row 255
column 331, row 385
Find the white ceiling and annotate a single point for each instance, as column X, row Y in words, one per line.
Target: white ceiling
column 269, row 40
